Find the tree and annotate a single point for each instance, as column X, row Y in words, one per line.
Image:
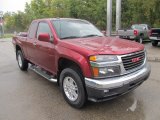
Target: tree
column 133, row 11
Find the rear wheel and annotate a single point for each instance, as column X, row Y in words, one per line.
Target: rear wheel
column 154, row 43
column 72, row 87
column 140, row 40
column 22, row 62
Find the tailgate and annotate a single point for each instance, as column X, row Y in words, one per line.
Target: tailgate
column 125, row 32
column 155, row 34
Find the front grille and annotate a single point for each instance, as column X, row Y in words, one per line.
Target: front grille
column 133, row 61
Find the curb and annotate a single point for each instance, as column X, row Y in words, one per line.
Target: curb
column 153, row 59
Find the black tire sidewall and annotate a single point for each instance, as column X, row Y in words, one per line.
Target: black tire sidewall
column 81, row 92
column 140, row 40
column 24, row 62
column 154, row 43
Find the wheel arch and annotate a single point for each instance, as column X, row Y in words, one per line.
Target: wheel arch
column 65, row 62
column 18, row 47
column 141, row 34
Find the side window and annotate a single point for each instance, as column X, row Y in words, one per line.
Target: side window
column 32, row 30
column 44, row 28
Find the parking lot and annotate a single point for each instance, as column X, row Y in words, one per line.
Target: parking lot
column 28, row 96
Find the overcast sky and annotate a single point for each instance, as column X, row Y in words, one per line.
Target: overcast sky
column 12, row 5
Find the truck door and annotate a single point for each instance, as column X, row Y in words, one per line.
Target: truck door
column 31, row 42
column 45, row 51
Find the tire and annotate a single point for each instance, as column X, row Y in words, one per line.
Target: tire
column 22, row 62
column 140, row 40
column 154, row 43
column 74, row 93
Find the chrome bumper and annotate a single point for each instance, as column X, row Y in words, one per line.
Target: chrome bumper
column 115, row 82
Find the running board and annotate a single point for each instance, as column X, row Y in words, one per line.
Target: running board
column 43, row 73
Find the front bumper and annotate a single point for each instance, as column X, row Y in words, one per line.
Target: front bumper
column 109, row 88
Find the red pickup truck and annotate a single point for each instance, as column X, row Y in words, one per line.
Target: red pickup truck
column 85, row 64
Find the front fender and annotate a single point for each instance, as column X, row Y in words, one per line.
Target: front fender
column 81, row 60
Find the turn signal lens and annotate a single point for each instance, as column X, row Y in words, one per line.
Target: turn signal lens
column 92, row 58
column 95, row 71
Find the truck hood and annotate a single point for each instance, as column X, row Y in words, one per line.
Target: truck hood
column 102, row 45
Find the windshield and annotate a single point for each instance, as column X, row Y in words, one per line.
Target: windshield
column 139, row 27
column 69, row 29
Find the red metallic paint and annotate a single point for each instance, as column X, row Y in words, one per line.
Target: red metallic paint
column 47, row 54
column 134, row 60
column 102, row 45
column 44, row 37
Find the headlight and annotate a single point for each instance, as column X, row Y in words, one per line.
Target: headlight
column 100, row 71
column 103, row 58
column 108, row 71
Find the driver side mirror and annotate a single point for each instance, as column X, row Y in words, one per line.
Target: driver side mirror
column 45, row 37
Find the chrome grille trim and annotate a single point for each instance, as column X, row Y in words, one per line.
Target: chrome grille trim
column 127, row 60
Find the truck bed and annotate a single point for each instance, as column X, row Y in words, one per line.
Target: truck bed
column 129, row 34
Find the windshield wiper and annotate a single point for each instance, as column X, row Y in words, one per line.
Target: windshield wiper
column 92, row 35
column 70, row 37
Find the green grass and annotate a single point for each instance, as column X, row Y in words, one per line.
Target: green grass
column 7, row 36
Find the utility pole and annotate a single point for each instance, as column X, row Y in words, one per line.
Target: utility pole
column 109, row 17
column 118, row 14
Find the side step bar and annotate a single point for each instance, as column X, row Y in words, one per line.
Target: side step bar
column 43, row 73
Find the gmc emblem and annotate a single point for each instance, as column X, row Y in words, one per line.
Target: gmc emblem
column 136, row 59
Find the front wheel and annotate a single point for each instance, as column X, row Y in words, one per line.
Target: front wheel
column 154, row 43
column 72, row 87
column 22, row 62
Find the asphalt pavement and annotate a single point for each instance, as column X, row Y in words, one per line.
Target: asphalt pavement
column 28, row 96
column 153, row 52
